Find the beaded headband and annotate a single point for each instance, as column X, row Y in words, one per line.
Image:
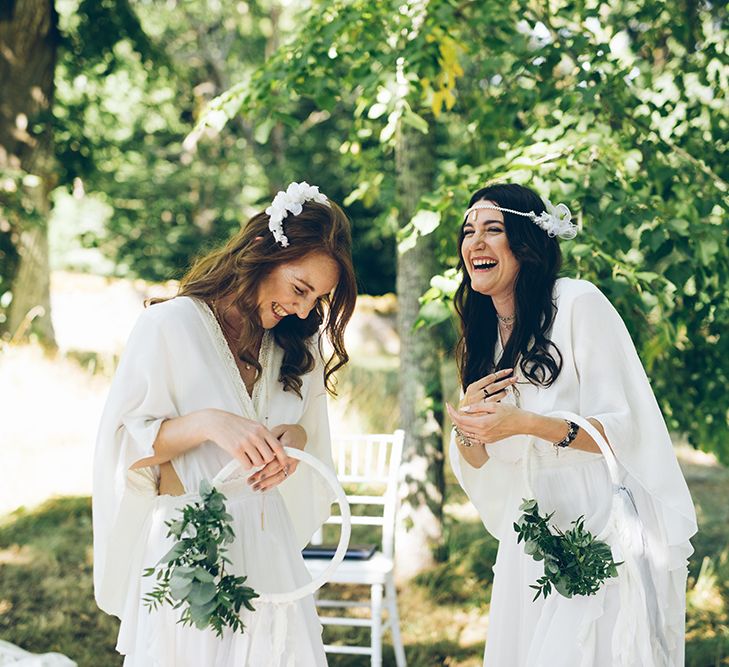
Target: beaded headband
column 556, row 220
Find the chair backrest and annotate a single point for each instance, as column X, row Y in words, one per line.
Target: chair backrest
column 372, row 462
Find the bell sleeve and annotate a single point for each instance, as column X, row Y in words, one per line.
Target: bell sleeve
column 141, row 397
column 490, row 488
column 307, row 495
column 614, row 389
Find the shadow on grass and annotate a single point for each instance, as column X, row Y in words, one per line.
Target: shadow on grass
column 46, row 595
column 435, row 654
column 46, row 598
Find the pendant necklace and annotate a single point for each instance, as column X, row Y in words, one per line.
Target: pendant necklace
column 506, row 321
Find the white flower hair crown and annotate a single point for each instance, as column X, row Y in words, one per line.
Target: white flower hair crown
column 556, row 220
column 292, row 201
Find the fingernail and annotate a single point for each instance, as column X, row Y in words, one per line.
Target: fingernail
column 466, row 409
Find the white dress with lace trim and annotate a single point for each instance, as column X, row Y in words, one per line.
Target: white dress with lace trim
column 186, row 365
column 601, row 377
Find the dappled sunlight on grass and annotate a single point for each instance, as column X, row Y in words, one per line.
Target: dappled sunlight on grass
column 15, row 555
column 707, row 613
column 47, row 602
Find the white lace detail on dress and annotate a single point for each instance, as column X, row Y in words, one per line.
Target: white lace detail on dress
column 255, row 405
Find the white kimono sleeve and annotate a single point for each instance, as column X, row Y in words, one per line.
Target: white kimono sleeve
column 140, row 399
column 490, row 488
column 307, row 496
column 615, row 390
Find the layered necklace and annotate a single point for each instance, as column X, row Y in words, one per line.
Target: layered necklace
column 507, row 321
column 506, row 325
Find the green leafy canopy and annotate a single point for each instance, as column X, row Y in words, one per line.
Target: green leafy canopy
column 617, row 109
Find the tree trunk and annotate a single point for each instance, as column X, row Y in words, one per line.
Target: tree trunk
column 28, row 44
column 420, row 396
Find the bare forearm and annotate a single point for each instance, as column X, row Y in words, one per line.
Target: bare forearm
column 176, row 436
column 553, row 429
column 291, row 435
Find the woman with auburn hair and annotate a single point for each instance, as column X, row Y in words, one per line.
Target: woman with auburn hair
column 557, row 409
column 230, row 368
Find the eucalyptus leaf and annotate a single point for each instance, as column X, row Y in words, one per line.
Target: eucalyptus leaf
column 173, row 553
column 201, row 574
column 180, row 588
column 202, row 592
column 203, row 610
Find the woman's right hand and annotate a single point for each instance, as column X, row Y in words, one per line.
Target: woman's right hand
column 247, row 440
column 490, row 388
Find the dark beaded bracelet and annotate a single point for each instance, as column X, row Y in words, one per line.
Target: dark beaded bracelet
column 571, row 435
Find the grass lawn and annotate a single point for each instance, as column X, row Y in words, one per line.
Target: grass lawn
column 46, row 601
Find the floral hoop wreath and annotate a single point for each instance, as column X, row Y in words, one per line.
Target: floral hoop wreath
column 291, row 201
column 623, row 535
column 344, row 534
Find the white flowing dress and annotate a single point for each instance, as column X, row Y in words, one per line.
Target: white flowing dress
column 177, row 361
column 601, row 377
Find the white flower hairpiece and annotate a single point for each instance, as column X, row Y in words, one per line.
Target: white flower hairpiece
column 292, row 201
column 555, row 220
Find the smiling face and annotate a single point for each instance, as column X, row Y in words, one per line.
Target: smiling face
column 293, row 288
column 487, row 256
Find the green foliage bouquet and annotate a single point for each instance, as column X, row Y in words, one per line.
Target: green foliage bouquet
column 191, row 575
column 575, row 563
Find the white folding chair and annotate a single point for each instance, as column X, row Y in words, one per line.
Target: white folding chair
column 372, row 462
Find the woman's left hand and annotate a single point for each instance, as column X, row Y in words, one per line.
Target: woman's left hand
column 488, row 422
column 273, row 473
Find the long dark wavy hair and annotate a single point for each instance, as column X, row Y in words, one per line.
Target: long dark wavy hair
column 539, row 259
column 247, row 258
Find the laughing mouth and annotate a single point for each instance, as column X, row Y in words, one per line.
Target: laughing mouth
column 278, row 311
column 484, row 264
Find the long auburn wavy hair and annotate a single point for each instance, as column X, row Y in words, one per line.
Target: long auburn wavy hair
column 251, row 254
column 540, row 258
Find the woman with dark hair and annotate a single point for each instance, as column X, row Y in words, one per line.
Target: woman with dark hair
column 231, row 368
column 549, row 372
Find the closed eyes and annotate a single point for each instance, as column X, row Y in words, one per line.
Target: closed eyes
column 300, row 292
column 493, row 229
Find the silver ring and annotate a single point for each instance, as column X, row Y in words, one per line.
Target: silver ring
column 286, row 471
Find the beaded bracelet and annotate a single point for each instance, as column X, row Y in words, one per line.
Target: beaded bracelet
column 571, row 435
